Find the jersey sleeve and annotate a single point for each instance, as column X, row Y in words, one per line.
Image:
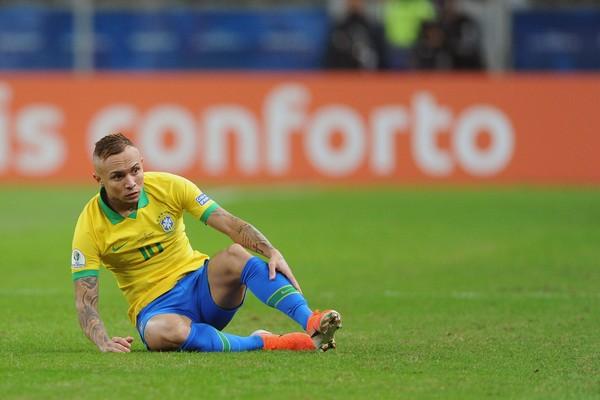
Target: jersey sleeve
column 85, row 258
column 193, row 200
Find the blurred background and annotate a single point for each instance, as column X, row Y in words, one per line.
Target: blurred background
column 397, row 35
column 341, row 90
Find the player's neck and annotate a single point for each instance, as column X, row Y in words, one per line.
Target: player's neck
column 121, row 208
column 124, row 209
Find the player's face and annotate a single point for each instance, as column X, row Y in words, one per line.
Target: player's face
column 122, row 176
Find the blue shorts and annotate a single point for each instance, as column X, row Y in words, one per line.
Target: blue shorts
column 190, row 297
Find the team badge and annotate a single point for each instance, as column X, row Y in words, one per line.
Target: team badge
column 166, row 221
column 202, row 199
column 77, row 259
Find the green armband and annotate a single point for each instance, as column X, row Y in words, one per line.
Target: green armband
column 84, row 274
column 208, row 211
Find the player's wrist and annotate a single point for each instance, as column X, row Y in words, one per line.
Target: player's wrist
column 103, row 344
column 273, row 252
column 102, row 347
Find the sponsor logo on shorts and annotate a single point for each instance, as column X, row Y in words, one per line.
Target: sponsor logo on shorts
column 77, row 259
column 202, row 199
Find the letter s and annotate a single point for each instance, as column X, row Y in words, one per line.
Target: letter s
column 43, row 147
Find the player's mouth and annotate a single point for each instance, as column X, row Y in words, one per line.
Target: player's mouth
column 132, row 196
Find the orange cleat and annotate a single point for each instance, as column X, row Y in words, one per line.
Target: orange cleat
column 295, row 341
column 322, row 326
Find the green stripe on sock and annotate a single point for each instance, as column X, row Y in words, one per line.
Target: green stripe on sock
column 280, row 294
column 286, row 295
column 225, row 341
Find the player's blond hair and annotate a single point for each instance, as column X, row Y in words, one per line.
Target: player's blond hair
column 110, row 145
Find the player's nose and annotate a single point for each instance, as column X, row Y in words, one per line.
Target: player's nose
column 130, row 182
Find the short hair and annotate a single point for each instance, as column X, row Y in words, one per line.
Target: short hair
column 110, row 145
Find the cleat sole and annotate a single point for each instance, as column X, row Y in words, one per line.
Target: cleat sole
column 329, row 324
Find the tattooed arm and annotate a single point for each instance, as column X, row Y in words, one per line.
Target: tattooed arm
column 86, row 301
column 243, row 233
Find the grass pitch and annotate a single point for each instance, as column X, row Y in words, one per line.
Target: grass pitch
column 445, row 293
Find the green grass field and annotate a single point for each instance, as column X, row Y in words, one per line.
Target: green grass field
column 445, row 293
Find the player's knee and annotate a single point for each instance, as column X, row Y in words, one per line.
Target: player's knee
column 161, row 336
column 237, row 257
column 178, row 334
column 228, row 265
column 239, row 252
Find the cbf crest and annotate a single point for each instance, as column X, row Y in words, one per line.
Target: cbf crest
column 167, row 222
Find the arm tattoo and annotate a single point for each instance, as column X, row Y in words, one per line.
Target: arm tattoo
column 251, row 238
column 243, row 233
column 86, row 294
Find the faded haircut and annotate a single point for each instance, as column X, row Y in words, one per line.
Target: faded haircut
column 110, row 145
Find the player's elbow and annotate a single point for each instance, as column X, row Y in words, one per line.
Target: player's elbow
column 80, row 306
column 83, row 304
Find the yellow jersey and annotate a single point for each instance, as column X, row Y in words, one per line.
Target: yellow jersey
column 147, row 251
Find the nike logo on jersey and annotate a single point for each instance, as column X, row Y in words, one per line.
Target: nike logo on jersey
column 116, row 248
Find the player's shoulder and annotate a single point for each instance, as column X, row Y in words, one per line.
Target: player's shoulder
column 155, row 181
column 90, row 210
column 161, row 178
column 164, row 186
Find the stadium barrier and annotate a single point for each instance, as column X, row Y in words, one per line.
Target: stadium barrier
column 164, row 38
column 348, row 128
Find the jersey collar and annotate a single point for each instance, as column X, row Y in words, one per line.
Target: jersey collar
column 113, row 216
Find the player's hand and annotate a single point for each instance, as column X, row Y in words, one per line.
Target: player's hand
column 117, row 345
column 278, row 263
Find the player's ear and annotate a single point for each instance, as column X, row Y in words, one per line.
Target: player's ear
column 96, row 178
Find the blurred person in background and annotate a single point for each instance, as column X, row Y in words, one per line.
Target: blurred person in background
column 451, row 42
column 356, row 42
column 431, row 51
column 463, row 37
column 179, row 298
column 402, row 23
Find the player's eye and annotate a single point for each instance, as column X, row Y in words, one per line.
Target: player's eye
column 135, row 170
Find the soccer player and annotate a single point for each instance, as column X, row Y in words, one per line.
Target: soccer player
column 179, row 298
